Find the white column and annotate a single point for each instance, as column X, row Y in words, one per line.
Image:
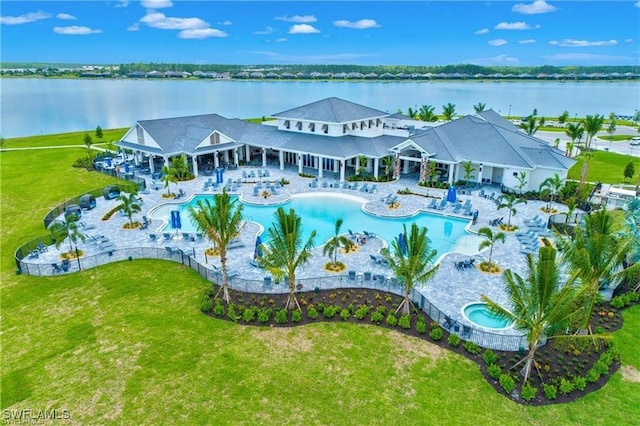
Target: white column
column 225, row 155
column 264, row 157
column 247, row 151
column 151, row 167
column 320, row 168
column 281, row 159
column 299, row 163
column 376, row 165
column 194, row 163
column 136, row 157
column 450, row 180
column 166, row 161
column 235, row 156
column 343, row 166
column 405, row 166
column 480, row 173
column 216, row 161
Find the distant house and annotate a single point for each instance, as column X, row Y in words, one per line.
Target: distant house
column 330, row 135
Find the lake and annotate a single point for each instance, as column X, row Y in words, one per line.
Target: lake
column 40, row 106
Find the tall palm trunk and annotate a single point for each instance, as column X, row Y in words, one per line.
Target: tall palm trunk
column 224, row 288
column 292, row 300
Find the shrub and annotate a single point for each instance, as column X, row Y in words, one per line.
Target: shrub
column 550, row 391
column 377, row 317
column 311, row 312
column 218, row 308
column 618, row 302
column 507, row 383
column 592, row 375
column 392, row 320
column 471, row 347
column 489, row 357
column 296, row 316
column 344, row 314
column 264, row 315
column 453, row 340
column 566, row 386
column 205, row 303
column 436, row 333
column 580, row 383
column 329, row 312
column 421, row 326
column 494, row 371
column 231, row 312
column 528, row 392
column 249, row 314
column 603, row 363
column 405, row 322
column 362, row 312
column 281, row 316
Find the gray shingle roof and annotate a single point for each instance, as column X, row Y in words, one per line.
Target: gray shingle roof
column 332, row 110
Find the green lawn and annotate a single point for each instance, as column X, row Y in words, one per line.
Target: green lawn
column 605, row 167
column 126, row 344
column 73, row 138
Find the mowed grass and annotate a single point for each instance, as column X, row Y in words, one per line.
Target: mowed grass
column 71, row 138
column 126, row 344
column 605, row 167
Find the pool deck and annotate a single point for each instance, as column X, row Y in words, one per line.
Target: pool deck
column 450, row 290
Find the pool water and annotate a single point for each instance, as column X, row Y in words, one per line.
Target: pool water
column 479, row 314
column 320, row 213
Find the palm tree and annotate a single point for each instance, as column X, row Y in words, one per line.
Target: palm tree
column 168, row 176
column 597, row 255
column 336, row 242
column 427, row 113
column 532, row 124
column 362, row 163
column 412, row 113
column 569, row 149
column 553, row 185
column 286, row 251
column 388, row 162
column 489, row 241
column 129, row 205
column 540, row 304
column 522, row 181
column 510, row 201
column 411, row 262
column 220, row 222
column 592, row 125
column 67, row 229
column 448, row 110
column 468, row 170
column 479, row 107
column 575, row 131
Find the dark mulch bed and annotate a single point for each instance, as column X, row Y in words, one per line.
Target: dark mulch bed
column 573, row 372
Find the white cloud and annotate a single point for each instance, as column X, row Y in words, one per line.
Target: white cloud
column 281, row 40
column 497, row 42
column 339, row 58
column 589, row 58
column 122, row 3
column 303, row 29
column 482, row 31
column 156, row 4
column 24, row 19
column 538, row 6
column 306, row 19
column 362, row 24
column 628, row 40
column 225, row 23
column 527, row 41
column 201, row 33
column 512, row 26
column 637, row 4
column 75, row 30
column 163, row 22
column 134, row 27
column 66, row 17
column 266, row 31
column 567, row 42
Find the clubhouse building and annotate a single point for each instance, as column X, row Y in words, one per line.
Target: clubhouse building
column 334, row 136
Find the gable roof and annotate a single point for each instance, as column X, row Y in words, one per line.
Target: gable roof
column 332, row 110
column 496, row 119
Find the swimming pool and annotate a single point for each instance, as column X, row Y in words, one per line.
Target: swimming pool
column 479, row 314
column 319, row 213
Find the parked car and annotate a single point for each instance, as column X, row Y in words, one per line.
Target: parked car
column 635, row 141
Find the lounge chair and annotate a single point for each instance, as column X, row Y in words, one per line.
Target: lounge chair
column 55, row 268
column 364, row 188
column 352, row 275
column 432, row 204
column 325, row 184
column 373, row 188
column 367, row 276
column 442, row 205
column 34, row 254
column 369, row 234
column 199, row 236
column 153, row 237
column 355, row 185
column 448, row 322
column 466, row 331
column 267, row 281
column 457, row 208
column 345, row 185
column 235, row 244
column 187, row 237
column 65, row 266
column 166, row 235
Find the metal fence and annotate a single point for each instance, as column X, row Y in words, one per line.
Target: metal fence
column 482, row 338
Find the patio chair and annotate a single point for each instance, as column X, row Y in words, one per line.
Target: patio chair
column 375, row 259
column 153, row 237
column 459, row 265
column 345, row 185
column 166, row 236
column 187, row 237
column 457, row 208
column 432, row 204
column 352, row 275
column 448, row 322
column 244, row 174
column 373, row 188
column 325, row 184
column 380, row 278
column 466, row 331
column 369, row 234
column 267, row 281
column 355, row 185
column 55, row 268
column 364, row 188
column 367, row 276
column 266, row 173
column 65, row 266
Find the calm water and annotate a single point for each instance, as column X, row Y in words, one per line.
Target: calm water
column 320, row 214
column 479, row 314
column 36, row 106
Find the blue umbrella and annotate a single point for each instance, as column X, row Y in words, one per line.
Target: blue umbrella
column 109, row 161
column 258, row 251
column 176, row 223
column 126, row 167
column 451, row 194
column 402, row 243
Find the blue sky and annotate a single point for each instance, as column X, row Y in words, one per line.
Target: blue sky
column 512, row 33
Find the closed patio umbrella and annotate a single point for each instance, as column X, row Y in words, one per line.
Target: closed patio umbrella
column 403, row 243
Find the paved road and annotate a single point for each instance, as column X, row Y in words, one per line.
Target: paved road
column 619, row 147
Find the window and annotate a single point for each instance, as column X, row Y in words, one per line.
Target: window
column 325, row 128
column 299, row 125
column 140, row 134
column 286, row 124
column 214, row 139
column 515, row 174
column 312, row 127
column 345, row 128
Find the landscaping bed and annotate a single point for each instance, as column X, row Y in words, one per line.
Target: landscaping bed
column 563, row 374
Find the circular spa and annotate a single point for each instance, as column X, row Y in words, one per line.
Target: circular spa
column 479, row 314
